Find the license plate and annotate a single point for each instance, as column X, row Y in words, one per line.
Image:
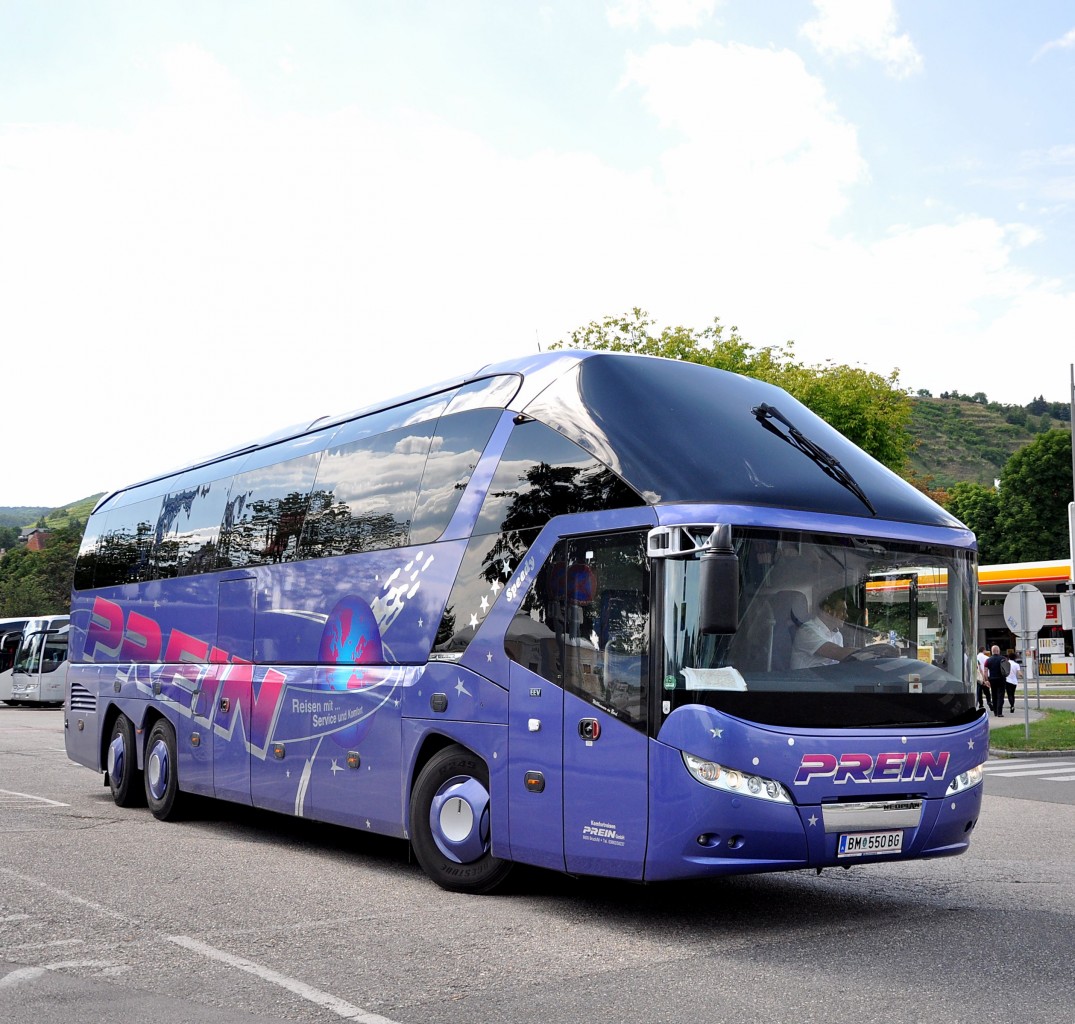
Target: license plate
column 860, row 844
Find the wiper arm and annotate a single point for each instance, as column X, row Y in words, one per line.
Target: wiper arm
column 797, row 439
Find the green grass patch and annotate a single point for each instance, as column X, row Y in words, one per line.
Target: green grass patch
column 1056, row 731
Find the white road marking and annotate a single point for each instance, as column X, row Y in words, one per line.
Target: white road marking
column 1045, row 768
column 314, row 995
column 24, row 974
column 340, row 1007
column 1026, row 772
column 30, row 796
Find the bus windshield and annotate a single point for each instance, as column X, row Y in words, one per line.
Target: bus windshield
column 42, row 651
column 833, row 632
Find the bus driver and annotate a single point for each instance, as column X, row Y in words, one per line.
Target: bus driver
column 819, row 640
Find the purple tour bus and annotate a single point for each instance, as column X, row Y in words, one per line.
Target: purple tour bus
column 601, row 613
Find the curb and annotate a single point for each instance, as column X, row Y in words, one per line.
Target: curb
column 1015, row 754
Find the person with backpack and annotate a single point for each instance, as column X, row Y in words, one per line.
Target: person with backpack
column 996, row 669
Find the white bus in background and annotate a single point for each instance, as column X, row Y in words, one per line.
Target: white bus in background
column 10, row 639
column 40, row 669
column 10, row 636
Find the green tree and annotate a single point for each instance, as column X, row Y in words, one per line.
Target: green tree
column 868, row 409
column 1035, row 488
column 39, row 582
column 976, row 507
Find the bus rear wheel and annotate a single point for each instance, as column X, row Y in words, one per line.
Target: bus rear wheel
column 124, row 776
column 161, row 772
column 449, row 823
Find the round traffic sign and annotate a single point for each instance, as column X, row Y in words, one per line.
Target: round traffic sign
column 1024, row 609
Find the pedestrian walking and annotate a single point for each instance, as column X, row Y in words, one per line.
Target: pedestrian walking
column 996, row 672
column 982, row 689
column 1015, row 673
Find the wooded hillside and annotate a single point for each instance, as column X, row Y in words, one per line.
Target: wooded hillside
column 966, row 441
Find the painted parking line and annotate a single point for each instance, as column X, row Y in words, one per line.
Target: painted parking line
column 22, row 975
column 338, row 1006
column 31, row 797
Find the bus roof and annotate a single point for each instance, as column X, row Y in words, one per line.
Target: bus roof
column 676, row 431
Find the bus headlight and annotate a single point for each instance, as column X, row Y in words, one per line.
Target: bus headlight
column 731, row 780
column 965, row 780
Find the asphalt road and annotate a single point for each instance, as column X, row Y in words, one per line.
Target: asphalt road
column 107, row 915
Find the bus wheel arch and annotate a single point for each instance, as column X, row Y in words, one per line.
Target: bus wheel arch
column 161, row 771
column 449, row 821
column 121, row 763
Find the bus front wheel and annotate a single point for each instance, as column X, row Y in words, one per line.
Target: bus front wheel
column 124, row 777
column 449, row 823
column 161, row 772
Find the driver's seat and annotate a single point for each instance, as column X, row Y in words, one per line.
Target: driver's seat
column 790, row 610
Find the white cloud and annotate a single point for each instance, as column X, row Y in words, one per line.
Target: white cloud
column 664, row 15
column 221, row 272
column 762, row 153
column 852, row 28
column 1065, row 42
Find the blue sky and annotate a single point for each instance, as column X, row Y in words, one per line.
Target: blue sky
column 218, row 218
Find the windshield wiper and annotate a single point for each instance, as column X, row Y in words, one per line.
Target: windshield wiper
column 797, row 439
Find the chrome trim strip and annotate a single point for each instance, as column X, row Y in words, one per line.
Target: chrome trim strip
column 872, row 814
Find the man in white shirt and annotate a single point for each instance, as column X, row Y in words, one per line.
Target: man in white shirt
column 819, row 640
column 983, row 682
column 1015, row 673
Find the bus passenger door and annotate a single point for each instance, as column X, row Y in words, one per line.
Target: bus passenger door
column 578, row 679
column 230, row 687
column 605, row 668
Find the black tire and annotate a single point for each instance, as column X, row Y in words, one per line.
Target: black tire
column 124, row 775
column 162, row 772
column 453, row 849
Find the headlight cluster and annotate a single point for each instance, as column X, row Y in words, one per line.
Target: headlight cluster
column 731, row 780
column 964, row 780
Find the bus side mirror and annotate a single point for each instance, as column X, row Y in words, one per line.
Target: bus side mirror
column 718, row 586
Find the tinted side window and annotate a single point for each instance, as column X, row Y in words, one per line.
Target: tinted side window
column 365, row 493
column 86, row 563
column 174, row 534
column 487, row 565
column 457, row 445
column 542, row 474
column 265, row 513
column 188, row 529
column 123, row 551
